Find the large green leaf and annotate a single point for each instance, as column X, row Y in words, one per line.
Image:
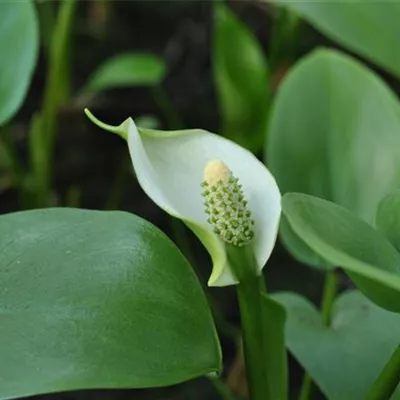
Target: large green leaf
column 345, row 358
column 19, row 40
column 344, row 240
column 241, row 78
column 334, row 133
column 92, row 299
column 129, row 69
column 388, row 218
column 369, row 28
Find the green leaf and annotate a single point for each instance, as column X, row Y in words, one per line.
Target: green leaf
column 336, row 234
column 367, row 27
column 92, row 299
column 19, row 41
column 130, row 69
column 274, row 318
column 388, row 218
column 323, row 134
column 345, row 358
column 303, row 252
column 241, row 78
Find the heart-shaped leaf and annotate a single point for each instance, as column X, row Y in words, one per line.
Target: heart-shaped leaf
column 323, row 135
column 92, row 299
column 19, row 40
column 336, row 234
column 367, row 27
column 241, row 77
column 388, row 218
column 345, row 358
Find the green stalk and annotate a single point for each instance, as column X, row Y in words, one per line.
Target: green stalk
column 328, row 299
column 13, row 162
column 388, row 380
column 284, row 37
column 47, row 17
column 221, row 388
column 249, row 292
column 306, row 387
column 56, row 91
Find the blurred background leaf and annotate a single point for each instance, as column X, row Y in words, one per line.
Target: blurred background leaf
column 94, row 299
column 19, row 43
column 334, row 133
column 369, row 28
column 124, row 70
column 241, row 77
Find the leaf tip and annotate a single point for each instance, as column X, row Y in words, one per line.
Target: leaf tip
column 119, row 130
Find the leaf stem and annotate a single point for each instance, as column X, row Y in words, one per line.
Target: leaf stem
column 306, row 387
column 387, row 381
column 221, row 388
column 328, row 299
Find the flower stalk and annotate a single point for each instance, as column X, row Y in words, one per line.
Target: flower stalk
column 388, row 380
column 249, row 292
column 226, row 206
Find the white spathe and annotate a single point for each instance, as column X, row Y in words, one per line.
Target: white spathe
column 169, row 166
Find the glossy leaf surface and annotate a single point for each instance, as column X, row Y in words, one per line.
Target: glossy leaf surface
column 95, row 299
column 344, row 240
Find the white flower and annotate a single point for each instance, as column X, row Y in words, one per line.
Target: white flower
column 170, row 167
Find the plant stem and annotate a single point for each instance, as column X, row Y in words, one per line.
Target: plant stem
column 73, row 197
column 56, row 91
column 328, row 299
column 284, row 37
column 249, row 292
column 306, row 387
column 12, row 161
column 221, row 389
column 46, row 12
column 249, row 297
column 389, row 378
